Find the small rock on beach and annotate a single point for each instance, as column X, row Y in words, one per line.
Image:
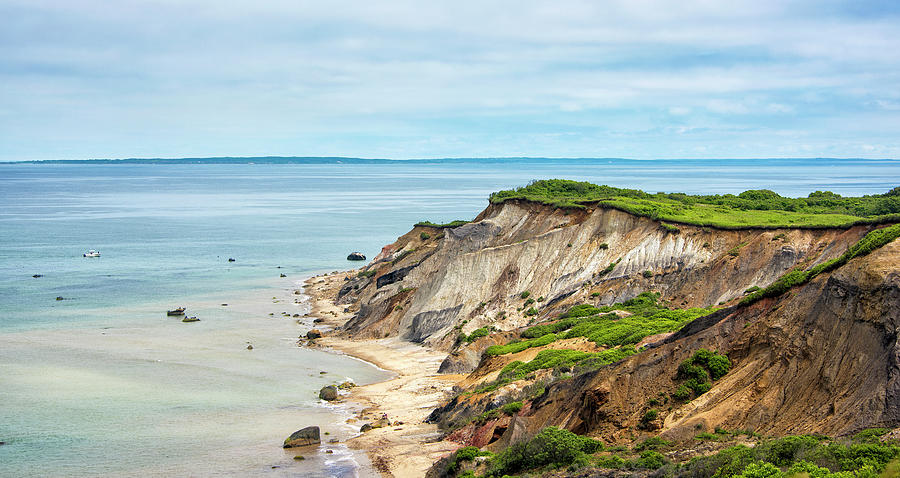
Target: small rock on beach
column 328, row 393
column 303, row 437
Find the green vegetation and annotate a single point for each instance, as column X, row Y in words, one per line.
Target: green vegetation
column 468, row 453
column 531, row 311
column 424, row 236
column 698, row 370
column 736, row 250
column 553, row 446
column 584, row 320
column 446, row 225
column 870, row 242
column 814, row 456
column 366, row 274
column 603, row 246
column 752, row 289
column 669, row 228
column 525, row 294
column 610, row 267
column 512, row 408
column 476, row 334
column 561, row 359
column 647, row 273
column 402, row 256
column 518, row 346
column 749, row 209
column 810, row 456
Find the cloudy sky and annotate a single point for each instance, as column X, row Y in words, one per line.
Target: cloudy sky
column 397, row 79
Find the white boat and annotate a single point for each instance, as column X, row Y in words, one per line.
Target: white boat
column 92, row 253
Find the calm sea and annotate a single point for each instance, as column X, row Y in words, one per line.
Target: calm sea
column 103, row 384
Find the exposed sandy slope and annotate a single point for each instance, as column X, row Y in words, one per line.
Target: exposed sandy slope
column 405, row 450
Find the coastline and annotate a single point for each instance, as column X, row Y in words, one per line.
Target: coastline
column 409, row 447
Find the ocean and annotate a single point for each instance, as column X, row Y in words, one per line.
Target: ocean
column 102, row 383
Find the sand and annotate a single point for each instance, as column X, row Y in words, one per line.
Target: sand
column 402, row 450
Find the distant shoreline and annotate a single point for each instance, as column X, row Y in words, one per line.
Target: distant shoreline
column 353, row 160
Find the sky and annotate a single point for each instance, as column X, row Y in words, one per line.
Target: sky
column 429, row 79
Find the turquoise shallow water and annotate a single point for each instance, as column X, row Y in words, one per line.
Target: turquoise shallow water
column 102, row 384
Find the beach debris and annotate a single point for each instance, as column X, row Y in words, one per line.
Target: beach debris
column 318, row 320
column 346, row 385
column 296, row 292
column 299, row 457
column 192, row 318
column 38, row 275
column 322, row 372
column 313, row 334
column 329, row 393
column 303, row 437
column 224, row 305
column 328, row 452
column 59, row 297
column 231, row 259
column 356, row 256
column 283, row 275
column 249, row 346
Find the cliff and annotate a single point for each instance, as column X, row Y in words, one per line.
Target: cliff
column 433, row 283
column 523, row 299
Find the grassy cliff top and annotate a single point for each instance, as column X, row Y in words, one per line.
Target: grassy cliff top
column 750, row 209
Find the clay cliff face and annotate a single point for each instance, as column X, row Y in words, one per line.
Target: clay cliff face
column 432, row 283
column 824, row 358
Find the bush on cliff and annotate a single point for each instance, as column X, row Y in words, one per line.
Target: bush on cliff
column 556, row 447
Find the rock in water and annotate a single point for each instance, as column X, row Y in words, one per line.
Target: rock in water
column 303, row 437
column 328, row 393
column 356, row 256
column 313, row 334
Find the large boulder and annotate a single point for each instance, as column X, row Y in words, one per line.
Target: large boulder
column 313, row 334
column 303, row 437
column 328, row 393
column 356, row 256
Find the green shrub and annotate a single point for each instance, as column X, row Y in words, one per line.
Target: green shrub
column 595, row 294
column 647, row 273
column 552, row 446
column 871, row 435
column 424, row 236
column 649, row 416
column 529, row 301
column 652, row 443
column 669, row 228
column 682, row 393
column 612, row 461
column 541, row 299
column 531, row 311
column 477, row 334
column 367, row 274
column 650, row 460
column 468, row 453
column 603, row 246
column 751, row 289
column 512, row 408
column 524, row 294
column 697, row 370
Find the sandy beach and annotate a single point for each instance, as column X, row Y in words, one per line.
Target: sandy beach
column 410, row 446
